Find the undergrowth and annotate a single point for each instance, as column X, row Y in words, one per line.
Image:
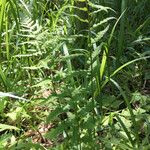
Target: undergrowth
column 74, row 75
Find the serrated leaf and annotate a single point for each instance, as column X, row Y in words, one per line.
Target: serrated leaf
column 54, row 114
column 57, row 131
column 44, row 83
column 99, row 7
column 99, row 35
column 102, row 22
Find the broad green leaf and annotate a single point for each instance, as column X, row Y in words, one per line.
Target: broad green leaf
column 7, row 127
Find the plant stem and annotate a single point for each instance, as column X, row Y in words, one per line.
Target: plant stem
column 121, row 32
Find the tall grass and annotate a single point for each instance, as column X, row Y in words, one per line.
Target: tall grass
column 121, row 35
column 69, row 50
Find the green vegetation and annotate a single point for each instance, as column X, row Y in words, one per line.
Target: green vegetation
column 74, row 75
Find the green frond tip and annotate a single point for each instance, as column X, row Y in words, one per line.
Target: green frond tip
column 99, row 35
column 102, row 22
column 83, row 9
column 82, row 20
column 100, row 7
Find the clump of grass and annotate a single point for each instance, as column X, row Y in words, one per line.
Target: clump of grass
column 72, row 57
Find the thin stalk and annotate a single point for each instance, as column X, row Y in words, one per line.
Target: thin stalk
column 121, row 32
column 100, row 76
column 7, row 39
column 89, row 49
column 113, row 29
column 14, row 8
column 2, row 11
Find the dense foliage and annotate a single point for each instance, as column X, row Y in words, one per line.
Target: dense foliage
column 75, row 74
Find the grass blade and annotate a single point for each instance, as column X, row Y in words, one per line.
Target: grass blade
column 131, row 113
column 125, row 129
